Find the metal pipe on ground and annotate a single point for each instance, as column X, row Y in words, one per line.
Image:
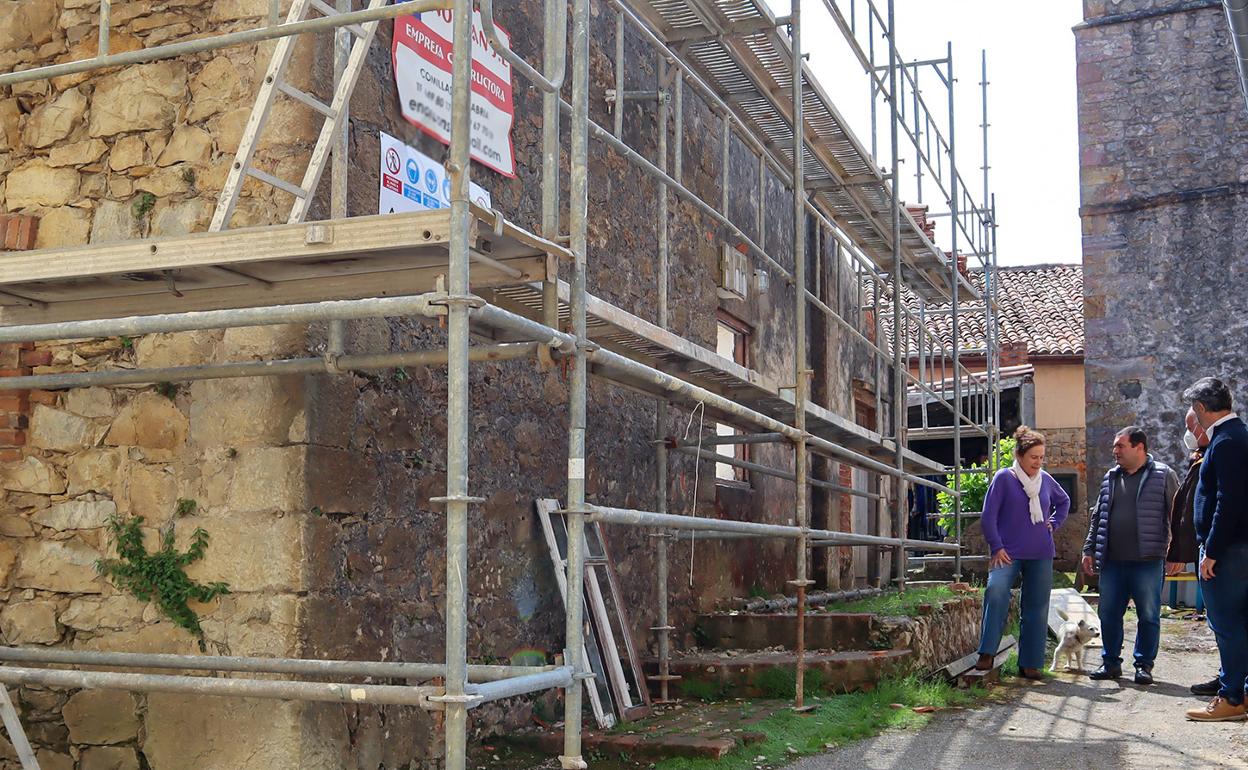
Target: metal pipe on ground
column 342, row 363
column 300, row 666
column 325, row 692
column 814, row 599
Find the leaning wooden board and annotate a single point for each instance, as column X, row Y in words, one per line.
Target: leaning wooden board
column 1068, row 601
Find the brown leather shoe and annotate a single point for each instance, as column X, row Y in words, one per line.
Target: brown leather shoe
column 1218, row 710
column 1031, row 673
column 985, row 662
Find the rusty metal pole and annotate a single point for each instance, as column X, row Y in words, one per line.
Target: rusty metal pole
column 800, row 371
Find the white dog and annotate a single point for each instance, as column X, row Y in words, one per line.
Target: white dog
column 1072, row 638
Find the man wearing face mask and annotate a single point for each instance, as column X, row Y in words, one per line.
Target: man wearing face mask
column 1220, row 512
column 1183, row 548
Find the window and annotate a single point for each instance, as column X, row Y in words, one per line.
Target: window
column 732, row 342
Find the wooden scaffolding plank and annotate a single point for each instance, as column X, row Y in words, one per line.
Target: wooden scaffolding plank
column 342, row 237
column 158, row 299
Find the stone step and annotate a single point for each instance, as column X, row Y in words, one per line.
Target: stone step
column 761, row 631
column 713, row 675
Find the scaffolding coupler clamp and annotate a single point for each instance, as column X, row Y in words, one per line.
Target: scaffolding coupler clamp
column 467, row 699
column 450, row 300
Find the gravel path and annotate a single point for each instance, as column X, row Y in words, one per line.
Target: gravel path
column 1072, row 723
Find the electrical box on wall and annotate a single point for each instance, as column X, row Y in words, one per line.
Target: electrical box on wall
column 734, row 274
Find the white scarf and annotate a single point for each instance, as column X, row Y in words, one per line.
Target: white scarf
column 1031, row 485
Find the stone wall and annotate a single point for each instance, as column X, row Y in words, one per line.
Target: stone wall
column 939, row 634
column 315, row 491
column 129, row 153
column 1162, row 141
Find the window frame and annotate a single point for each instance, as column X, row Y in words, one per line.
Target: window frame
column 742, row 335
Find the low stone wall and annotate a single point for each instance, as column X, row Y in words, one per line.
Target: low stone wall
column 938, row 635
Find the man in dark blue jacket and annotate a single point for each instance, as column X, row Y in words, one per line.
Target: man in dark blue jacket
column 1220, row 510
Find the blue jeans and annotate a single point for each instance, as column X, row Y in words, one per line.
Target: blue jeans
column 1034, row 627
column 1123, row 581
column 1226, row 605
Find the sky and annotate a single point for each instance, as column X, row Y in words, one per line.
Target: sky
column 1033, row 131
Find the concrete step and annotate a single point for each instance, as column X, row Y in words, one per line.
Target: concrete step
column 761, row 631
column 714, row 675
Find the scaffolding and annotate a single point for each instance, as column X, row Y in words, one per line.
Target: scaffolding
column 748, row 67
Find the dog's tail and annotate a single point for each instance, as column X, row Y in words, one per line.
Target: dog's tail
column 1061, row 614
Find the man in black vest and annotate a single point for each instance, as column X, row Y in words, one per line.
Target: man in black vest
column 1220, row 510
column 1127, row 540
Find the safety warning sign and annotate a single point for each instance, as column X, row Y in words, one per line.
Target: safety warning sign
column 413, row 181
column 422, row 55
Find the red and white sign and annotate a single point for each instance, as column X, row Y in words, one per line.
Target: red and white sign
column 422, row 55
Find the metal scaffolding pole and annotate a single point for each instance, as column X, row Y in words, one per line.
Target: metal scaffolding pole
column 706, row 454
column 577, row 388
column 298, row 666
column 216, row 42
column 956, row 342
column 700, row 524
column 459, row 303
column 899, row 385
column 334, row 364
column 801, row 374
column 662, row 627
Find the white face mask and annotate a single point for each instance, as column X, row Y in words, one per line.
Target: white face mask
column 1190, row 441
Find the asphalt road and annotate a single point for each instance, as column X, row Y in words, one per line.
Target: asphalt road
column 1072, row 723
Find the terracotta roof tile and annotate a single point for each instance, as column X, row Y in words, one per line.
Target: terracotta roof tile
column 1041, row 305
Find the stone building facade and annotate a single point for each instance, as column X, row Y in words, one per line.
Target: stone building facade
column 315, row 490
column 1163, row 137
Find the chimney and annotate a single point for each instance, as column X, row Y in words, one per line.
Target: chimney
column 1013, row 353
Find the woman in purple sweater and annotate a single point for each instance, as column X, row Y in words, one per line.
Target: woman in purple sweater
column 1022, row 508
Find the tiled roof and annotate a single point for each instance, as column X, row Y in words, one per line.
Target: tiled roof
column 1041, row 305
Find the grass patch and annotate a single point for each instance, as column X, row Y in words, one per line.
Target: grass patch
column 1063, row 579
column 906, row 603
column 781, row 682
column 836, row 720
column 702, row 689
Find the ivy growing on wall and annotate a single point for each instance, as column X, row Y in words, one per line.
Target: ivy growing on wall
column 160, row 577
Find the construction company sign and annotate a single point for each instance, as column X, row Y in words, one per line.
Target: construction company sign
column 422, row 55
column 413, row 181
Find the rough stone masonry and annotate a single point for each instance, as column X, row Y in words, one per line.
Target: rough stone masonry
column 315, row 491
column 1163, row 138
